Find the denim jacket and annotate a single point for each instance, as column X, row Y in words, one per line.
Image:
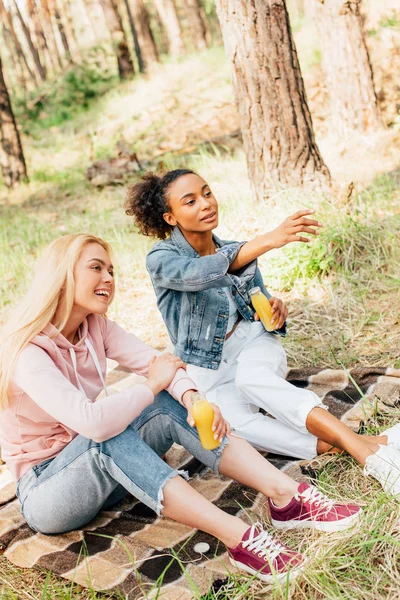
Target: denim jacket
column 191, row 297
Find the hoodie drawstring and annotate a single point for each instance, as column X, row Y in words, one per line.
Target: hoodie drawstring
column 93, row 354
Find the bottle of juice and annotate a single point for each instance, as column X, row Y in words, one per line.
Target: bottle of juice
column 203, row 415
column 263, row 308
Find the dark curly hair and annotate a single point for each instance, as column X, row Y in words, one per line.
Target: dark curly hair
column 147, row 201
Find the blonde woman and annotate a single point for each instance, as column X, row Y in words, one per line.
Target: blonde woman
column 58, row 439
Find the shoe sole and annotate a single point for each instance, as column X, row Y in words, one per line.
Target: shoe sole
column 328, row 526
column 280, row 577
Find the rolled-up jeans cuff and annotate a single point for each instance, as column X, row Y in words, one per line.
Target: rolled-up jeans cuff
column 215, row 467
column 160, row 498
column 218, row 454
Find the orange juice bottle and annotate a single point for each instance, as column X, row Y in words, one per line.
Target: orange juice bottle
column 203, row 415
column 263, row 308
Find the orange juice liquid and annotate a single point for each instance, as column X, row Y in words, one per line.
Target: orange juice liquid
column 203, row 415
column 264, row 310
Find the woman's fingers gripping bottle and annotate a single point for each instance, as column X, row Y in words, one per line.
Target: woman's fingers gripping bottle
column 263, row 308
column 203, row 415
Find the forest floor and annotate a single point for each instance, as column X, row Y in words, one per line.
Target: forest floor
column 342, row 289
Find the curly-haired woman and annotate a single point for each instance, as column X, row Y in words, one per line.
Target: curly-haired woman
column 202, row 286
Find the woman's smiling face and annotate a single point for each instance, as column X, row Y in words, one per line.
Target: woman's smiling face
column 192, row 205
column 94, row 280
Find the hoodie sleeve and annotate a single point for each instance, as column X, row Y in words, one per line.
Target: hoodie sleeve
column 37, row 375
column 129, row 351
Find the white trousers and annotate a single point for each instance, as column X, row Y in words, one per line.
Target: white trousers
column 252, row 376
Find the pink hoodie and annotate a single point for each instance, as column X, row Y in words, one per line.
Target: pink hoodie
column 51, row 401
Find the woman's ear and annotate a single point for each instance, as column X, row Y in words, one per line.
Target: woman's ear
column 170, row 219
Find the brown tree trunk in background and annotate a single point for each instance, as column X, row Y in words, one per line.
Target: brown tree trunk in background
column 138, row 50
column 11, row 155
column 49, row 31
column 275, row 120
column 197, row 23
column 96, row 21
column 35, row 54
column 114, row 23
column 17, row 68
column 40, row 38
column 70, row 25
column 169, row 18
column 347, row 68
column 61, row 29
column 8, row 24
column 145, row 36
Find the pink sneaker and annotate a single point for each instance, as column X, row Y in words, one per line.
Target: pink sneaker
column 309, row 508
column 260, row 555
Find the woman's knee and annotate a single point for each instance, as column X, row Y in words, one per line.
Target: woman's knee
column 54, row 522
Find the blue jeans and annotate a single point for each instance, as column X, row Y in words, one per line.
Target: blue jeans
column 66, row 492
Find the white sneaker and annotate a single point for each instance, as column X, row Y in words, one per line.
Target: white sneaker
column 384, row 465
column 393, row 435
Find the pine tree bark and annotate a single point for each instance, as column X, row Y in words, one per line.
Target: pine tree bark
column 9, row 25
column 138, row 50
column 11, row 155
column 61, row 29
column 70, row 25
column 145, row 36
column 169, row 18
column 197, row 23
column 95, row 20
column 17, row 66
column 114, row 23
column 50, row 31
column 35, row 54
column 40, row 38
column 275, row 120
column 346, row 65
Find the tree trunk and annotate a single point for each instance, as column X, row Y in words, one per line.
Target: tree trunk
column 15, row 58
column 197, row 23
column 145, row 36
column 96, row 20
column 70, row 25
column 50, row 31
column 35, row 54
column 61, row 28
column 275, row 120
column 138, row 50
column 169, row 18
column 114, row 23
column 40, row 38
column 8, row 24
column 346, row 65
column 12, row 157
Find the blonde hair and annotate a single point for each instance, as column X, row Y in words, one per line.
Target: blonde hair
column 52, row 289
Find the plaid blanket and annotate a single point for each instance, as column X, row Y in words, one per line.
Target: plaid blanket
column 131, row 550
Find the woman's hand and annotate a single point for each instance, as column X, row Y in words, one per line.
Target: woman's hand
column 220, row 427
column 279, row 312
column 290, row 228
column 162, row 370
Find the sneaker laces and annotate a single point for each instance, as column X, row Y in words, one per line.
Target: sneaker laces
column 315, row 497
column 262, row 543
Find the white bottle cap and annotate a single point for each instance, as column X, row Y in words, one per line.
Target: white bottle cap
column 254, row 290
